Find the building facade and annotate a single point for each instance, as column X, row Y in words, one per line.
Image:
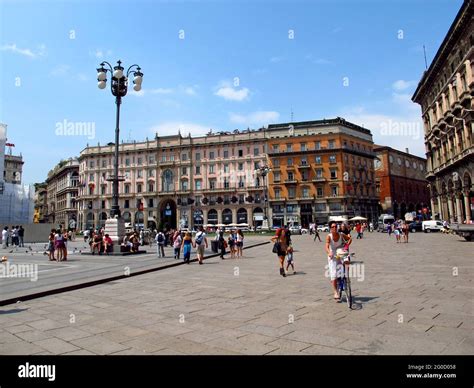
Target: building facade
column 61, row 193
column 41, row 203
column 13, row 169
column 400, row 182
column 320, row 169
column 176, row 181
column 445, row 94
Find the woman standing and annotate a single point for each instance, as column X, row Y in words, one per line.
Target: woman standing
column 51, row 245
column 240, row 243
column 281, row 246
column 177, row 241
column 186, row 246
column 334, row 241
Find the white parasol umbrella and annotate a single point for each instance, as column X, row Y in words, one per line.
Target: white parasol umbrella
column 358, row 218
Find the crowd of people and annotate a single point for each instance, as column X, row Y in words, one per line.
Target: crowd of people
column 399, row 229
column 13, row 237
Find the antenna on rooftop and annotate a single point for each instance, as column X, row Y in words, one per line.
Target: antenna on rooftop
column 426, row 63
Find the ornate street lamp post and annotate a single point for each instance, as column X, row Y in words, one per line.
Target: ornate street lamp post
column 263, row 172
column 115, row 225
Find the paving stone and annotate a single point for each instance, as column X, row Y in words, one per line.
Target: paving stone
column 56, row 345
column 98, row 345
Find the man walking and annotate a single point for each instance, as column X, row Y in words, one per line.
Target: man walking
column 21, row 235
column 5, row 237
column 160, row 244
column 200, row 242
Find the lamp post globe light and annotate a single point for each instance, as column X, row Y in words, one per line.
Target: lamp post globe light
column 115, row 225
column 263, row 172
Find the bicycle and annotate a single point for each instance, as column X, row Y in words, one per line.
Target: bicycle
column 344, row 281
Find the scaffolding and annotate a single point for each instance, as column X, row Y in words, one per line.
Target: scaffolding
column 16, row 203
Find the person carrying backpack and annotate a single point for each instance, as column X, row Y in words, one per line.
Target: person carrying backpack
column 200, row 242
column 160, row 244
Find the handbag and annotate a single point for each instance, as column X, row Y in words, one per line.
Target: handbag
column 276, row 247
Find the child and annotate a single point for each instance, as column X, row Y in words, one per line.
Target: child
column 289, row 259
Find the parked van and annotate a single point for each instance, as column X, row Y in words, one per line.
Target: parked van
column 431, row 226
column 384, row 221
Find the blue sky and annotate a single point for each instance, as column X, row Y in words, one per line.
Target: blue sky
column 213, row 64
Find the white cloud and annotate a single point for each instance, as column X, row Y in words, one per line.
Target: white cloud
column 190, row 91
column 318, row 61
column 401, row 129
column 60, row 70
column 232, row 94
column 26, row 52
column 172, row 128
column 255, row 118
column 99, row 53
column 276, row 59
column 161, row 91
column 401, row 85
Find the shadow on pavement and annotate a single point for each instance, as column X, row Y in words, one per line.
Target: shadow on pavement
column 12, row 311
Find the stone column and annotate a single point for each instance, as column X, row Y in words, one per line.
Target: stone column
column 458, row 209
column 450, row 209
column 433, row 206
column 234, row 215
column 219, row 216
column 440, row 208
column 204, row 216
column 467, row 205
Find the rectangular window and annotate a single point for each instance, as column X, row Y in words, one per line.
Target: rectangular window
column 151, row 187
column 241, row 167
column 305, row 192
column 317, row 145
column 184, row 171
column 139, row 188
column 198, row 156
column 226, row 168
column 241, row 153
column 255, row 152
column 151, row 173
column 291, row 192
column 140, row 161
column 320, row 207
column 103, row 204
column 91, row 164
column 211, row 155
column 275, row 147
column 226, row 154
column 276, row 176
column 331, row 144
column 139, row 173
column 304, row 175
column 212, row 184
column 172, row 157
column 276, row 162
column 184, row 185
column 277, row 193
column 304, row 161
column 334, row 191
column 303, row 146
column 332, row 159
column 163, row 158
column 150, row 202
column 91, row 177
column 319, row 173
column 198, row 170
column 127, row 189
column 102, row 190
column 333, row 173
column 241, row 182
column 289, row 147
column 290, row 176
column 211, row 169
column 151, row 159
column 226, row 183
column 290, row 162
column 104, row 163
column 317, row 159
column 198, row 184
column 127, row 162
column 320, row 192
column 184, row 156
column 126, row 204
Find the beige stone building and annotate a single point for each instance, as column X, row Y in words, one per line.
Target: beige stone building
column 13, row 169
column 61, row 193
column 176, row 181
column 445, row 95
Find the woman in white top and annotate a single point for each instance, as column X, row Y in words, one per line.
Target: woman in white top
column 239, row 243
column 334, row 241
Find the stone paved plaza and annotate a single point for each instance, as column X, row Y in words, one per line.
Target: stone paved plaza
column 414, row 298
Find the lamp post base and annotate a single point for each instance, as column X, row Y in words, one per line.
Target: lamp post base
column 115, row 228
column 265, row 225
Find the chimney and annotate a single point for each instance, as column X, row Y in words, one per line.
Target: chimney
column 407, row 151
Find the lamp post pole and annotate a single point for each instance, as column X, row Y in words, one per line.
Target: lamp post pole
column 115, row 225
column 263, row 172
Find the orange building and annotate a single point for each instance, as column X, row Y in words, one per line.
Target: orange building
column 320, row 169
